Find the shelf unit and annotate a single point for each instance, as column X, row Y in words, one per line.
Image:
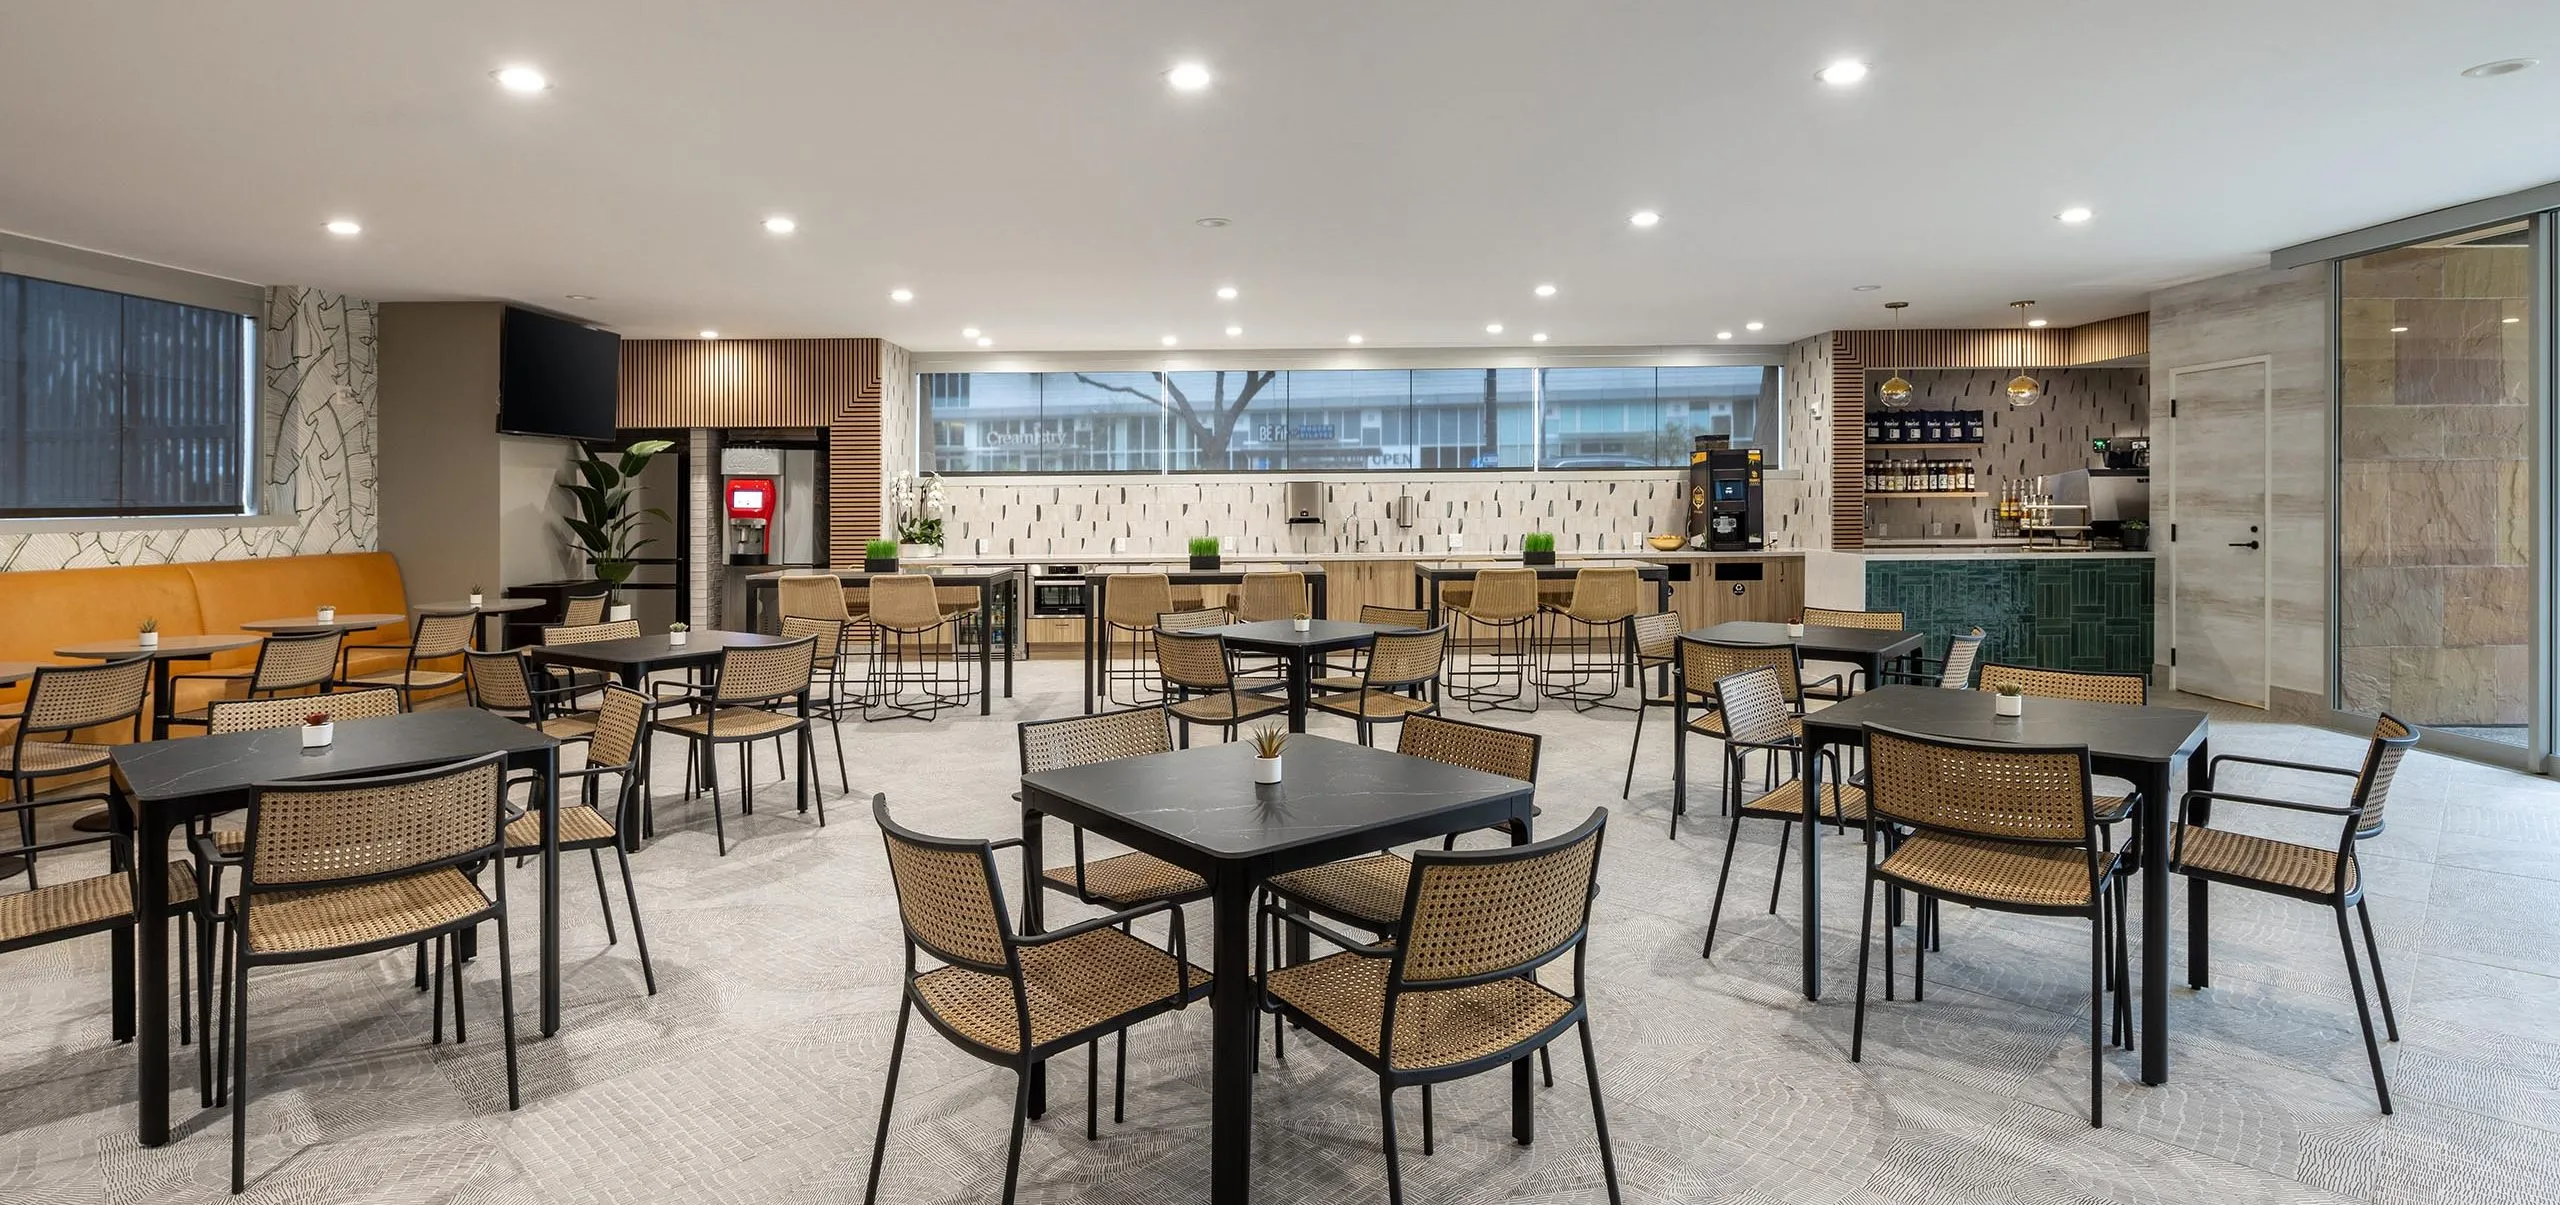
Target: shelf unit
column 1874, row 448
column 1926, row 494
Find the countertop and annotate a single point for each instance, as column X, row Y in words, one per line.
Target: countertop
column 1299, row 558
column 1990, row 551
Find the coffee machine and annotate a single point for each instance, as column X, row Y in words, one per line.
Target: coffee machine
column 1724, row 496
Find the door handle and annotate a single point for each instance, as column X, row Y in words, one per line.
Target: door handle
column 2250, row 544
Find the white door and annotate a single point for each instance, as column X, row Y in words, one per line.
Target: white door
column 2217, row 516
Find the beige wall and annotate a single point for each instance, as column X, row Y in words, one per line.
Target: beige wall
column 2284, row 316
column 440, row 463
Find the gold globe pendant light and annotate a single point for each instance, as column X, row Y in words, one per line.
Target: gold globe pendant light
column 2024, row 390
column 1895, row 393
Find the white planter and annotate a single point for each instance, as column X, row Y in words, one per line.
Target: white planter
column 475, row 602
column 2010, row 705
column 328, row 614
column 617, row 612
column 1795, row 630
column 318, row 736
column 676, row 639
column 1266, row 769
column 1301, row 624
column 918, row 552
column 149, row 640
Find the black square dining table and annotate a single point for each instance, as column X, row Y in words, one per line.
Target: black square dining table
column 1298, row 652
column 161, row 785
column 1201, row 810
column 2144, row 745
column 631, row 659
column 1870, row 649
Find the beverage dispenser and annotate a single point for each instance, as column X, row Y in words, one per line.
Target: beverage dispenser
column 750, row 502
column 1724, row 497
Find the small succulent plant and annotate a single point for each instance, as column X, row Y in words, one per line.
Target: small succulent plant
column 1269, row 739
column 316, row 719
column 2009, row 690
column 678, row 627
column 150, row 624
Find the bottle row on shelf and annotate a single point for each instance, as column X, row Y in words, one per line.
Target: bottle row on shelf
column 1924, row 427
column 1920, row 477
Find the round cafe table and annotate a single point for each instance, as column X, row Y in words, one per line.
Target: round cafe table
column 489, row 608
column 170, row 649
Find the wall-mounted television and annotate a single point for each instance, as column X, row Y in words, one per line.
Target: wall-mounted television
column 557, row 378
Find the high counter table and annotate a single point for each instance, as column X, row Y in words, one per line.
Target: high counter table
column 993, row 582
column 1097, row 590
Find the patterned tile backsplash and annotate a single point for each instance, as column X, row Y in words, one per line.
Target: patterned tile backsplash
column 316, row 421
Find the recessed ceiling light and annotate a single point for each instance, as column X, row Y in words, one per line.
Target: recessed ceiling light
column 902, row 296
column 1213, row 223
column 1842, row 73
column 1545, row 290
column 1753, row 326
column 2035, row 322
column 522, row 80
column 984, row 341
column 1724, row 334
column 1493, row 328
column 1168, row 340
column 580, row 296
column 1864, row 288
column 2498, row 68
column 2399, row 330
column 1540, row 337
column 343, row 227
column 779, row 224
column 1354, row 339
column 710, row 334
column 968, row 332
column 1644, row 219
column 1226, row 292
column 1188, row 77
column 2074, row 215
column 1234, row 331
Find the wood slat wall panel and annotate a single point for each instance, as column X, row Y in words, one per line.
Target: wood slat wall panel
column 736, row 382
column 1848, row 443
column 2049, row 347
column 2111, row 339
column 854, row 513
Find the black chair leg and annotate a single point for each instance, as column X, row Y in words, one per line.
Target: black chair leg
column 639, row 936
column 238, row 1003
column 604, row 900
column 2097, row 1022
column 880, row 1141
column 460, row 1033
column 1866, row 943
column 2373, row 950
column 1387, row 1127
column 507, row 1008
column 436, row 1018
column 1599, row 1115
column 2364, row 1014
column 1627, row 789
column 1427, row 1145
column 1120, row 1080
column 1093, row 1091
column 1013, row 1150
column 1778, row 881
column 1733, row 836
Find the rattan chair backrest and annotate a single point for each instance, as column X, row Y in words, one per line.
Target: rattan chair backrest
column 1755, row 707
column 1706, row 662
column 583, row 610
column 296, row 661
column 1657, row 635
column 1193, row 660
column 308, row 834
column 1882, row 621
column 1480, row 747
column 1272, row 595
column 1503, row 595
column 812, row 596
column 1993, row 790
column 1605, row 595
column 442, row 635
column 67, row 697
column 765, row 673
column 227, row 716
column 829, row 634
column 499, row 680
column 2392, row 740
column 1192, row 620
column 1476, row 915
column 1394, row 617
column 590, row 633
column 2087, row 687
column 1957, row 674
column 1083, row 740
column 620, row 719
column 1133, row 600
column 905, row 602
column 948, row 895
column 1401, row 659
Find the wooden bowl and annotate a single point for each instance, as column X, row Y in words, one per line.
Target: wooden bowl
column 1666, row 543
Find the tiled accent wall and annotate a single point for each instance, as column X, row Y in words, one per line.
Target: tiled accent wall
column 704, row 550
column 1799, row 516
column 898, row 434
column 2081, row 613
column 316, row 408
column 2049, row 437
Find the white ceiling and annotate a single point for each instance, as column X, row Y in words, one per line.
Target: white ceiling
column 1404, row 169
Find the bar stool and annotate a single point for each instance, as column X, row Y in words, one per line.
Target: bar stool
column 1505, row 601
column 1131, row 602
column 908, row 651
column 1601, row 613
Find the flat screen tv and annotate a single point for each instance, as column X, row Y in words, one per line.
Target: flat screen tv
column 557, row 378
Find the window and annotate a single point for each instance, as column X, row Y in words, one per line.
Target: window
column 112, row 404
column 1341, row 420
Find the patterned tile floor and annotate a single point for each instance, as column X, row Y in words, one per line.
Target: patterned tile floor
column 755, row 1072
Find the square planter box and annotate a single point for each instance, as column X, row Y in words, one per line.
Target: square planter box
column 1537, row 558
column 1205, row 563
column 876, row 564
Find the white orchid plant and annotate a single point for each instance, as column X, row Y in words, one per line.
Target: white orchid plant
column 920, row 503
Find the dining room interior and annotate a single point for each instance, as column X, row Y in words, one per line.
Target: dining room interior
column 1147, row 558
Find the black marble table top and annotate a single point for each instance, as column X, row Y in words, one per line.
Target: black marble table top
column 1204, row 798
column 966, row 575
column 2114, row 731
column 1817, row 638
column 197, row 767
column 651, row 651
column 1280, row 636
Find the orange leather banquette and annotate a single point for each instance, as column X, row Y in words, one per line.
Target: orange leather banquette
column 45, row 610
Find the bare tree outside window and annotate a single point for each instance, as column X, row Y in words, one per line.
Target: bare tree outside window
column 1211, row 427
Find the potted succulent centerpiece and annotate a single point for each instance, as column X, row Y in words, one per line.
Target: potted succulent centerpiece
column 1268, row 740
column 1302, row 621
column 2008, row 699
column 880, row 556
column 676, row 633
column 605, row 526
column 1538, row 548
column 148, row 636
column 920, row 502
column 318, row 730
column 476, row 596
column 1204, row 553
column 1795, row 627
column 326, row 613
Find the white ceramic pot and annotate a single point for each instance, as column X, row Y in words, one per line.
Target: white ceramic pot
column 149, row 640
column 1795, row 629
column 919, row 552
column 676, row 639
column 617, row 612
column 328, row 614
column 2012, row 705
column 318, row 736
column 1266, row 769
column 475, row 602
column 1302, row 624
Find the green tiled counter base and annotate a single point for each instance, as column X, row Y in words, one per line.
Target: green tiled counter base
column 2081, row 613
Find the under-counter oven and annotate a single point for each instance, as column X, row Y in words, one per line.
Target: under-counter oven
column 1057, row 591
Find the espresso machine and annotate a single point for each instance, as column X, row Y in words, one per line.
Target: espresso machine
column 1724, row 496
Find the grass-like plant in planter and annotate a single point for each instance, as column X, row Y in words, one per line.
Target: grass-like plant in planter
column 1204, row 552
column 880, row 556
column 1538, row 548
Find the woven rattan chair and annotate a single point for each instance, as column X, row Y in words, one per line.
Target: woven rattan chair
column 63, row 700
column 615, row 750
column 1589, row 646
column 829, row 668
column 2326, row 875
column 1952, row 672
column 915, row 670
column 761, row 693
column 1123, row 880
column 1853, row 678
column 1757, row 715
column 1457, row 994
column 1016, row 1000
column 287, row 664
column 1657, row 640
column 228, row 716
column 1192, row 620
column 503, row 683
column 586, row 680
column 435, row 638
column 584, row 610
column 823, row 596
column 1503, row 602
column 1992, row 825
column 1271, row 595
column 1397, row 672
column 1702, row 664
column 1196, row 667
column 344, row 868
column 1133, row 603
column 1374, row 615
column 2115, row 802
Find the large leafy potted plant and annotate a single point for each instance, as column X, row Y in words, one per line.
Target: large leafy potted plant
column 605, row 526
